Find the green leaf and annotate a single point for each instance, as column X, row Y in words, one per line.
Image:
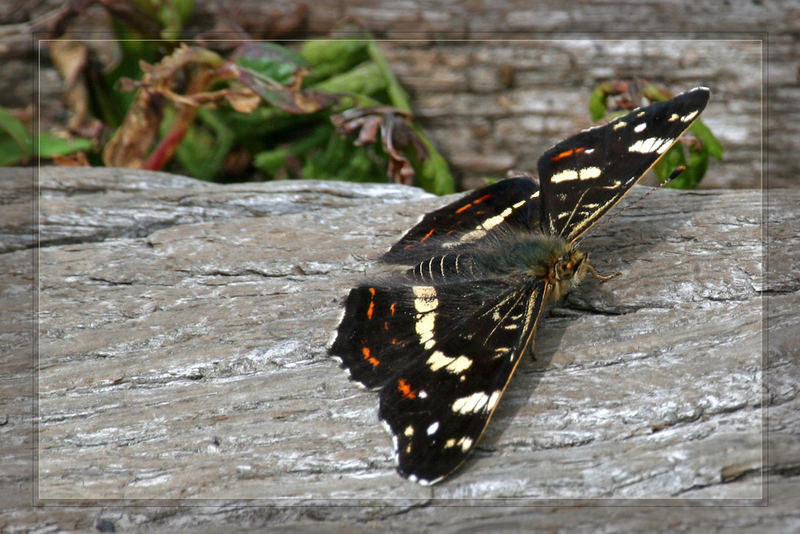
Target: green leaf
column 206, row 145
column 271, row 161
column 435, row 176
column 50, row 145
column 673, row 159
column 329, row 57
column 10, row 152
column 397, row 95
column 597, row 102
column 708, row 139
column 172, row 14
column 16, row 131
column 366, row 79
column 270, row 60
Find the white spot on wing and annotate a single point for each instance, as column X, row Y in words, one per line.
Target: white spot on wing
column 493, row 398
column 664, row 146
column 651, row 144
column 689, row 116
column 425, row 300
column 619, row 125
column 439, row 360
column 474, row 235
column 564, row 176
column 433, row 428
column 471, row 403
column 640, row 127
column 587, row 173
column 409, row 431
column 491, row 222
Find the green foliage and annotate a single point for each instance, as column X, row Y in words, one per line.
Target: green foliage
column 271, row 61
column 191, row 109
column 17, row 147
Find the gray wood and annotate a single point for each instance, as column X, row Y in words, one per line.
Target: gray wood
column 182, row 331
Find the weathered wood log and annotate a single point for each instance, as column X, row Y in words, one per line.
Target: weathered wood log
column 181, row 354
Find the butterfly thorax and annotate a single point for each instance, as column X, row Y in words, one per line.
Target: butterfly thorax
column 545, row 258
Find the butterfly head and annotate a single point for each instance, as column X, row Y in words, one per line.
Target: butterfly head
column 567, row 270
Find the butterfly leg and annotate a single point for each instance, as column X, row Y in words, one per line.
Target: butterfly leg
column 599, row 276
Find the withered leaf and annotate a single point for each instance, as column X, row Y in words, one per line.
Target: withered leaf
column 397, row 135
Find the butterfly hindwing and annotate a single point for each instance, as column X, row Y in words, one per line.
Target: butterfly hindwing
column 438, row 406
column 508, row 204
column 586, row 175
column 374, row 339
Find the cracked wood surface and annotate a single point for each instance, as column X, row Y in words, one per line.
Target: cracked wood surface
column 182, row 331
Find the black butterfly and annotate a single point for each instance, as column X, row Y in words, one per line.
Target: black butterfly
column 442, row 338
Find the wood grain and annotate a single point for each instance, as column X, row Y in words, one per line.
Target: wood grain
column 181, row 351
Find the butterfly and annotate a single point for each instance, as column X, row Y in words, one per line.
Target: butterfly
column 442, row 337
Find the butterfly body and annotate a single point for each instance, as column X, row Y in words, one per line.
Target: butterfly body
column 520, row 257
column 442, row 338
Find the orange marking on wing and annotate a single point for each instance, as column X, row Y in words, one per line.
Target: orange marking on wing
column 394, row 341
column 465, row 207
column 393, row 307
column 481, row 199
column 427, row 235
column 367, row 356
column 567, row 153
column 405, row 390
column 371, row 308
column 386, row 325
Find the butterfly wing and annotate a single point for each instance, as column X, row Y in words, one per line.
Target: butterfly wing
column 442, row 340
column 507, row 204
column 586, row 175
column 439, row 404
column 375, row 338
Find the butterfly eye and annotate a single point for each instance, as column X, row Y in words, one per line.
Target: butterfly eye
column 569, row 266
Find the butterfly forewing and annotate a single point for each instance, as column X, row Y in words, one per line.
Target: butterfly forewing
column 504, row 205
column 438, row 406
column 586, row 175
